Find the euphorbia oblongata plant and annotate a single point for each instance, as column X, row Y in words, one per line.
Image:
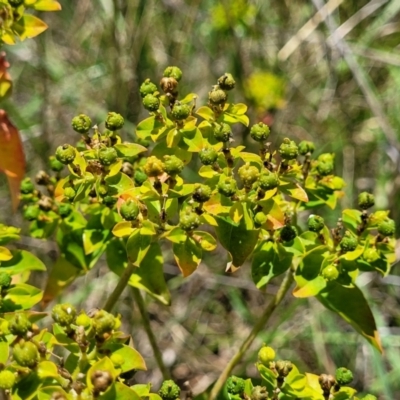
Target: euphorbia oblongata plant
column 105, row 195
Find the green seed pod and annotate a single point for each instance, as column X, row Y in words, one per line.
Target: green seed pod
column 288, row 233
column 222, row 132
column 7, row 379
column 55, row 165
column 326, row 158
column 26, row 354
column 64, row 210
column 180, row 111
column 306, row 147
column 103, row 322
column 330, row 273
column 260, row 218
column 107, row 155
column 169, row 390
column 201, row 193
column 27, row 186
column 65, row 154
column 226, row 81
column 139, row 177
column 117, row 360
column 69, row 193
column 288, row 149
column 189, row 221
column 365, row 200
column 315, row 223
column 151, row 102
column 208, row 155
column 109, row 201
column 20, row 325
column 235, row 385
column 343, row 376
column 173, row 165
column 31, row 212
column 227, row 186
column 147, row 87
column 114, row 121
column 268, row 181
column 81, row 123
column 387, row 227
column 153, row 167
column 259, row 393
column 173, row 72
column 248, row 174
column 266, row 355
column 325, row 169
column 64, row 314
column 15, row 3
column 371, row 255
column 348, row 242
column 83, row 320
column 5, row 280
column 217, row 96
column 259, row 132
column 129, row 210
column 283, row 367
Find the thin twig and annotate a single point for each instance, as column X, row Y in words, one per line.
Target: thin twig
column 150, row 334
column 284, row 287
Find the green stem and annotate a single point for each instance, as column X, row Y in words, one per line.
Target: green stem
column 150, row 334
column 285, row 285
column 123, row 281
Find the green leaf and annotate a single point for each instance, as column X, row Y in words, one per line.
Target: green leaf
column 46, row 5
column 47, row 369
column 268, row 376
column 205, row 240
column 148, row 127
column 4, row 351
column 21, row 297
column 46, row 393
column 94, row 239
column 194, row 139
column 122, row 229
column 5, row 254
column 61, row 276
column 176, row 235
column 8, row 234
column 133, row 359
column 28, row 26
column 237, row 239
column 351, row 219
column 119, row 391
column 187, row 255
column 129, row 149
column 267, row 264
column 206, row 113
column 137, row 246
column 142, row 389
column 119, row 183
column 352, row 306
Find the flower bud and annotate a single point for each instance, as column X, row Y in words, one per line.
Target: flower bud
column 147, row 87
column 268, row 181
column 180, row 111
column 330, row 273
column 222, row 132
column 64, row 314
column 189, row 220
column 129, row 210
column 371, row 255
column 20, row 325
column 5, row 280
column 283, row 367
column 248, row 174
column 343, row 376
column 315, row 223
column 173, row 165
column 288, row 233
column 201, row 193
column 31, row 212
column 169, row 390
column 226, row 82
column 217, row 96
column 208, row 155
column 365, row 200
column 348, row 242
column 103, row 322
column 266, row 355
column 7, row 379
column 65, row 154
column 288, row 149
column 227, row 186
column 306, row 147
column 27, row 186
column 26, row 354
column 55, row 165
column 151, row 102
column 259, row 132
column 107, row 155
column 173, row 72
column 69, row 193
column 109, row 201
column 81, row 123
column 235, row 385
column 139, row 177
column 260, row 218
column 386, row 227
column 83, row 320
column 114, row 121
column 153, row 167
column 325, row 168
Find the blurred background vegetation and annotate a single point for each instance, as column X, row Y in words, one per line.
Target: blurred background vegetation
column 327, row 72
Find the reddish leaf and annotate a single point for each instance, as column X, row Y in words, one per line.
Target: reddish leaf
column 12, row 160
column 5, row 78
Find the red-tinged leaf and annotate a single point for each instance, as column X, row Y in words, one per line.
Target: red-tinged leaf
column 352, row 306
column 5, row 78
column 12, row 160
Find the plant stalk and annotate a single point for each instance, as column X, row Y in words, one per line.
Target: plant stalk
column 123, row 281
column 150, row 334
column 284, row 287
